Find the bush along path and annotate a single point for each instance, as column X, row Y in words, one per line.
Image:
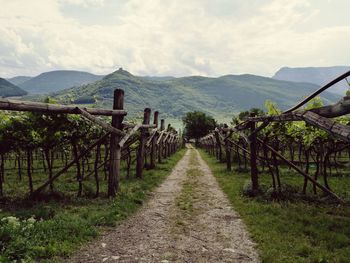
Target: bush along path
column 188, row 219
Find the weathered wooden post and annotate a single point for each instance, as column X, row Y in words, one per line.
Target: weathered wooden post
column 154, row 143
column 228, row 154
column 227, row 149
column 160, row 145
column 172, row 144
column 167, row 152
column 215, row 152
column 115, row 150
column 253, row 157
column 140, row 158
column 218, row 143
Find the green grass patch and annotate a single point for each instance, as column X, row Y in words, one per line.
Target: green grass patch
column 293, row 230
column 51, row 230
column 185, row 200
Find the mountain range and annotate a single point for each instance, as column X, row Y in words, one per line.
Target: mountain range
column 18, row 80
column 173, row 97
column 54, row 81
column 7, row 89
column 316, row 75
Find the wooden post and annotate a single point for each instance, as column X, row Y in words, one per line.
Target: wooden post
column 227, row 149
column 218, row 143
column 215, row 152
column 167, row 152
column 115, row 150
column 228, row 155
column 140, row 158
column 160, row 145
column 153, row 143
column 253, row 157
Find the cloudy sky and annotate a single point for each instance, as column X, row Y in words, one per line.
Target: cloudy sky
column 172, row 37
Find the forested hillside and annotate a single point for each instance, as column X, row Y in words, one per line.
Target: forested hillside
column 176, row 96
column 57, row 80
column 7, row 89
column 18, row 80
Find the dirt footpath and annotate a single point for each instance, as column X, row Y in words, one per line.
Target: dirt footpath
column 188, row 219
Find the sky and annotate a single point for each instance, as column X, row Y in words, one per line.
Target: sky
column 172, row 37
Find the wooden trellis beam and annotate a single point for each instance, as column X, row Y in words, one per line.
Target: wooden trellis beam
column 102, row 124
column 16, row 105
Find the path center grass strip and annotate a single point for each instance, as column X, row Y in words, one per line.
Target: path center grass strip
column 185, row 200
column 285, row 231
column 53, row 230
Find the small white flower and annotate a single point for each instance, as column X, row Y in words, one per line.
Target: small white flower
column 31, row 220
column 13, row 221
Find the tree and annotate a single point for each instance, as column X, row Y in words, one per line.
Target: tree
column 197, row 124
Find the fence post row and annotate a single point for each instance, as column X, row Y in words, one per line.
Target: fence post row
column 157, row 143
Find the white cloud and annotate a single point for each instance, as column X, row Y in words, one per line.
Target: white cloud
column 84, row 3
column 160, row 37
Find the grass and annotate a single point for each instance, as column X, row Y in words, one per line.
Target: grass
column 291, row 230
column 185, row 200
column 62, row 224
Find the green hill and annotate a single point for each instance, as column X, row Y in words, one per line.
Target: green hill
column 57, row 80
column 174, row 97
column 316, row 75
column 7, row 89
column 18, row 80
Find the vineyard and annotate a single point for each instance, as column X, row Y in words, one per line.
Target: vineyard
column 67, row 173
column 66, row 170
column 306, row 140
column 52, row 139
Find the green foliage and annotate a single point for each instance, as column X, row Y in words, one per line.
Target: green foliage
column 314, row 103
column 244, row 114
column 297, row 130
column 29, row 131
column 50, row 100
column 348, row 91
column 85, row 100
column 272, row 108
column 197, row 124
column 14, row 234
